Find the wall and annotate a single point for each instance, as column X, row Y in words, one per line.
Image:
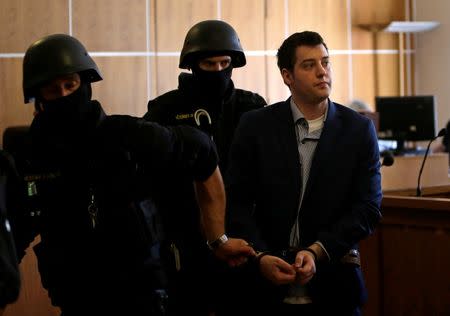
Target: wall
column 433, row 52
column 136, row 45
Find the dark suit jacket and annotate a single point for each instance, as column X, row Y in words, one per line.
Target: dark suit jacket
column 341, row 204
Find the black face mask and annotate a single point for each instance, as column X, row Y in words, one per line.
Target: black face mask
column 67, row 120
column 74, row 107
column 213, row 84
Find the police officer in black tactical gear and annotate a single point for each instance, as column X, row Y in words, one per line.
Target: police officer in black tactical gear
column 208, row 100
column 89, row 179
column 9, row 269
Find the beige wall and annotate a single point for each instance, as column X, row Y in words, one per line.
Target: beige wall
column 433, row 52
column 136, row 45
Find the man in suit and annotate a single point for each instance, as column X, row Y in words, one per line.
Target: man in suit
column 304, row 187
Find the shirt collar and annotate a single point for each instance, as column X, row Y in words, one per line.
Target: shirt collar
column 297, row 114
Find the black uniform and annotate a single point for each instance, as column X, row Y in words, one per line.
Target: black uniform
column 179, row 107
column 188, row 105
column 9, row 270
column 89, row 185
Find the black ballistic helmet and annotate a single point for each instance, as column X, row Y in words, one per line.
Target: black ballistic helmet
column 209, row 37
column 53, row 56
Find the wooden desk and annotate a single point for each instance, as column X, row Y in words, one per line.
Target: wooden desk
column 403, row 174
column 406, row 262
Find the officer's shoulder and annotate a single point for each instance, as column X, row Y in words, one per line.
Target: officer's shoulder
column 261, row 114
column 245, row 96
column 166, row 99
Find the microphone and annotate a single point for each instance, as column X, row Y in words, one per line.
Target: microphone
column 442, row 132
column 388, row 158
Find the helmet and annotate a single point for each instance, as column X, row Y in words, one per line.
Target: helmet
column 208, row 37
column 53, row 56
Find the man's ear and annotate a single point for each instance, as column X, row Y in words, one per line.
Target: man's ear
column 287, row 76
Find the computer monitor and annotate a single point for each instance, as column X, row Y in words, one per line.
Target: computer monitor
column 407, row 118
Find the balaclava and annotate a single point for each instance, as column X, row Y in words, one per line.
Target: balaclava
column 74, row 107
column 212, row 84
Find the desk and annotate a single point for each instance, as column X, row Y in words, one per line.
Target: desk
column 406, row 261
column 403, row 174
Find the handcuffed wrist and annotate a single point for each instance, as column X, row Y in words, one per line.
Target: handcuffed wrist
column 312, row 252
column 260, row 255
column 213, row 245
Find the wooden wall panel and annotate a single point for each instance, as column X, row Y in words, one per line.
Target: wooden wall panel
column 365, row 82
column 388, row 78
column 167, row 71
column 328, row 17
column 13, row 110
column 276, row 89
column 248, row 23
column 340, row 91
column 362, row 38
column 275, row 29
column 374, row 75
column 123, row 89
column 152, row 24
column 152, row 78
column 24, row 21
column 174, row 18
column 377, row 11
column 252, row 76
column 110, row 25
column 250, row 27
column 413, row 79
column 369, row 19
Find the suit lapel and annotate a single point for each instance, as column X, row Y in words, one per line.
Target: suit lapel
column 287, row 139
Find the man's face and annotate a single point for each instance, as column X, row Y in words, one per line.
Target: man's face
column 216, row 63
column 310, row 80
column 60, row 87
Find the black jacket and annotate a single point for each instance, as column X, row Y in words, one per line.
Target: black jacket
column 187, row 106
column 111, row 164
column 179, row 107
